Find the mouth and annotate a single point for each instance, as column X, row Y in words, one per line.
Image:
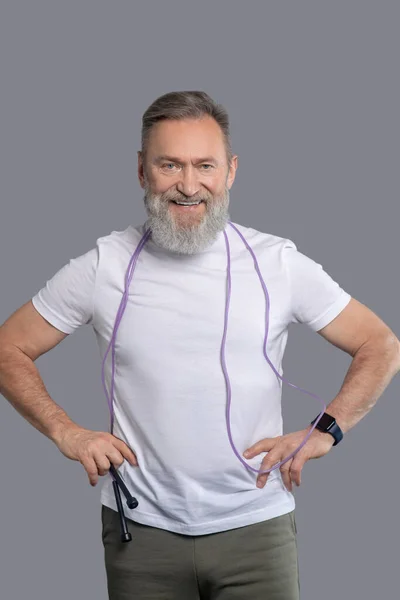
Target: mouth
column 187, row 206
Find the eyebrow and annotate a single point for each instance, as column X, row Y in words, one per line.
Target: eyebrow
column 208, row 159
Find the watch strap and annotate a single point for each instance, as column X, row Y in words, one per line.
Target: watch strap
column 333, row 428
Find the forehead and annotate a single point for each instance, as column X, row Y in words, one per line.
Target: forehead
column 188, row 137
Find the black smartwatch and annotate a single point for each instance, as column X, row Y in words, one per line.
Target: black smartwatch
column 328, row 424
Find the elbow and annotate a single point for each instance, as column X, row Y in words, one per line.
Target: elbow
column 398, row 356
column 397, row 345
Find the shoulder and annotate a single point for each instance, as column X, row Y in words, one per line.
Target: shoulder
column 261, row 240
column 120, row 239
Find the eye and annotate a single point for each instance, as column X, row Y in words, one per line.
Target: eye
column 166, row 165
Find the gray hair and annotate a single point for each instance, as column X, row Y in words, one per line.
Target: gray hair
column 186, row 105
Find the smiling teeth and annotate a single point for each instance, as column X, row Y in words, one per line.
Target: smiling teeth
column 187, row 203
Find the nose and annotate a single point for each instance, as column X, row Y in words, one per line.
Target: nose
column 188, row 183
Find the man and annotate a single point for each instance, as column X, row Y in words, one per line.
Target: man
column 202, row 529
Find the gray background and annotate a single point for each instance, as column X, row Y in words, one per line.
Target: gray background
column 312, row 90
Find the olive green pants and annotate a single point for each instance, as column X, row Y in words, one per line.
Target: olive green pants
column 254, row 562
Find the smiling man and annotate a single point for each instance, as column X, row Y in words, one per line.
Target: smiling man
column 186, row 196
column 208, row 524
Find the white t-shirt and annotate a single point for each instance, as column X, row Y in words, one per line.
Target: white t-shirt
column 170, row 393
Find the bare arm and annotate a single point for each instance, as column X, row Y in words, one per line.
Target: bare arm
column 24, row 337
column 22, row 385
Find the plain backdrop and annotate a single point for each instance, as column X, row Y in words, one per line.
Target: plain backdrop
column 312, row 90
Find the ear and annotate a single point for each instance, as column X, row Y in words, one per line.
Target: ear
column 140, row 169
column 232, row 172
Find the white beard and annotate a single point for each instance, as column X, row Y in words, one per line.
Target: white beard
column 185, row 238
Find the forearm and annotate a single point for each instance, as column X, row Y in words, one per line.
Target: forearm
column 370, row 372
column 22, row 386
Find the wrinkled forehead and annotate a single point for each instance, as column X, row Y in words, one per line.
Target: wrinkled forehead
column 186, row 141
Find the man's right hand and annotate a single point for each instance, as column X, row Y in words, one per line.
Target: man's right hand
column 95, row 450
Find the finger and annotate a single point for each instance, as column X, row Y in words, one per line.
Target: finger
column 296, row 468
column 286, row 475
column 268, row 462
column 102, row 462
column 115, row 457
column 264, row 445
column 91, row 469
column 125, row 451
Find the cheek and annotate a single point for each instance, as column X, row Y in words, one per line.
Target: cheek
column 219, row 184
column 160, row 189
column 161, row 185
column 212, row 185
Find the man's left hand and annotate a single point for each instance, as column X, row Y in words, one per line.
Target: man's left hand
column 318, row 444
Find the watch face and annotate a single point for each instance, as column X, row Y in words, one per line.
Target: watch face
column 326, row 421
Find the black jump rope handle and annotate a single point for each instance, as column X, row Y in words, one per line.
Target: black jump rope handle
column 130, row 501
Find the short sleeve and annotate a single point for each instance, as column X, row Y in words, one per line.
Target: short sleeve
column 66, row 300
column 315, row 298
